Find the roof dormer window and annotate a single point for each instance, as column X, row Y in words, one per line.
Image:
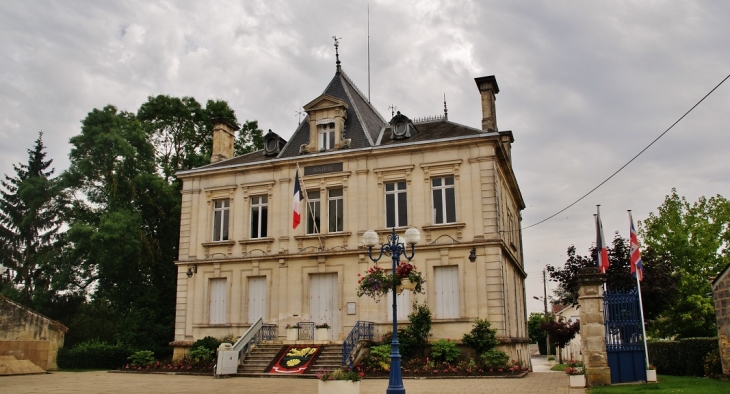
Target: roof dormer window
column 326, row 135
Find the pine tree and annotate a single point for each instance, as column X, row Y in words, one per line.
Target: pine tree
column 31, row 205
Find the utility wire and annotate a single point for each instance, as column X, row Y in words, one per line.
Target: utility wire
column 632, row 159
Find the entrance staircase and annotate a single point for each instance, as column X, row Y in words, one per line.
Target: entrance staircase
column 263, row 354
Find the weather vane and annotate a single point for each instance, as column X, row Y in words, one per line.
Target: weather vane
column 337, row 52
column 299, row 113
column 392, row 109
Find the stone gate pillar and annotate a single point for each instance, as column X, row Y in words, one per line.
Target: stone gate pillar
column 592, row 330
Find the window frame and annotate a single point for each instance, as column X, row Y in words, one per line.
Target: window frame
column 339, row 207
column 223, row 227
column 260, row 214
column 315, row 219
column 326, row 136
column 397, row 193
column 442, row 189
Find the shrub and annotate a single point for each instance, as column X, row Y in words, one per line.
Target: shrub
column 481, row 338
column 339, row 374
column 420, row 327
column 93, row 355
column 209, row 343
column 494, row 359
column 201, row 354
column 713, row 365
column 445, row 350
column 142, row 358
column 409, row 345
column 685, row 357
column 379, row 357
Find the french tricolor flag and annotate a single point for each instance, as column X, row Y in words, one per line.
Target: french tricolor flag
column 297, row 217
column 602, row 251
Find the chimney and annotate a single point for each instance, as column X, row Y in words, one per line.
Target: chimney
column 488, row 89
column 224, row 132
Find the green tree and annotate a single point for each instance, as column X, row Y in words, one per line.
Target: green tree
column 535, row 331
column 124, row 231
column 180, row 130
column 250, row 138
column 32, row 205
column 694, row 239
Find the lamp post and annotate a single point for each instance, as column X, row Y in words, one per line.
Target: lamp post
column 395, row 249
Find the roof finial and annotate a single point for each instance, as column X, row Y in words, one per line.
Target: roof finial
column 392, row 109
column 337, row 53
column 446, row 111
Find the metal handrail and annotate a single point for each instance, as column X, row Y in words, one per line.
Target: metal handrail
column 361, row 330
column 256, row 333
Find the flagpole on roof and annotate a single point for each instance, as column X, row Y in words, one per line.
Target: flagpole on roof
column 310, row 209
column 638, row 284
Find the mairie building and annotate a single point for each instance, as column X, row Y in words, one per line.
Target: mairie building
column 240, row 259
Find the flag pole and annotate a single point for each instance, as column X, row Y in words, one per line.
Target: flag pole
column 641, row 302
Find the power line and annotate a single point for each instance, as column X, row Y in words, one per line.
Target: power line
column 632, row 159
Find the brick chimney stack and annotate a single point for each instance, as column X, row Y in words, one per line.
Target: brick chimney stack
column 488, row 89
column 224, row 133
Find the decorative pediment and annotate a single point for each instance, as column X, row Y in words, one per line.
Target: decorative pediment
column 324, row 102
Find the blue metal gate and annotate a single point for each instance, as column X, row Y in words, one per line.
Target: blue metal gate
column 624, row 340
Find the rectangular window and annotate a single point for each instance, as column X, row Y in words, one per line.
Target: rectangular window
column 218, row 301
column 326, row 136
column 446, row 289
column 313, row 213
column 396, row 210
column 335, row 215
column 259, row 216
column 220, row 220
column 444, row 200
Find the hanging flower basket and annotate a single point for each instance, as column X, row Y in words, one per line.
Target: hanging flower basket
column 409, row 277
column 375, row 283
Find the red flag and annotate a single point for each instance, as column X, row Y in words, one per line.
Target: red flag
column 602, row 252
column 637, row 268
column 297, row 217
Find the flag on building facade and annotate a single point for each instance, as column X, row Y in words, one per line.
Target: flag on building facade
column 601, row 250
column 297, row 198
column 637, row 268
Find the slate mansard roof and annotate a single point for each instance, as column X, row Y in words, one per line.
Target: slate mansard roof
column 364, row 126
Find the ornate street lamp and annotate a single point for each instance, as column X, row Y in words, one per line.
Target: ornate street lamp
column 395, row 249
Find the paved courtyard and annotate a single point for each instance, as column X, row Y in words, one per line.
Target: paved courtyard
column 124, row 383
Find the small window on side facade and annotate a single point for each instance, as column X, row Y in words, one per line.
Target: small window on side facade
column 220, row 220
column 396, row 206
column 313, row 212
column 259, row 216
column 335, row 213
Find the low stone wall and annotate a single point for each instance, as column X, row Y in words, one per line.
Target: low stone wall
column 28, row 335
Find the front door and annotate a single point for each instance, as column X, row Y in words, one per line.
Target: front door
column 323, row 301
column 256, row 298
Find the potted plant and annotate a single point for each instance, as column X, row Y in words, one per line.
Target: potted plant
column 651, row 373
column 374, row 284
column 322, row 332
column 339, row 382
column 409, row 277
column 292, row 331
column 576, row 370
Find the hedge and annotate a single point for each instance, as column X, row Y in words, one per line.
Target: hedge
column 93, row 355
column 685, row 357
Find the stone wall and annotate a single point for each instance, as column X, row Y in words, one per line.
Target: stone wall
column 721, row 297
column 28, row 335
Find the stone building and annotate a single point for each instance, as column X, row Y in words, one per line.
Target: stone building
column 721, row 298
column 28, row 335
column 240, row 259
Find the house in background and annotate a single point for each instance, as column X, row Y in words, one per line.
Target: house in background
column 241, row 260
column 27, row 336
column 571, row 351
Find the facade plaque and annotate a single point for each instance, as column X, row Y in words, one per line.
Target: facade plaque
column 323, row 169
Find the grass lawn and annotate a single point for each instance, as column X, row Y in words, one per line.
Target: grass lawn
column 559, row 367
column 669, row 384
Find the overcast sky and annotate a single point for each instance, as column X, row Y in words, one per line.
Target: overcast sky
column 584, row 86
